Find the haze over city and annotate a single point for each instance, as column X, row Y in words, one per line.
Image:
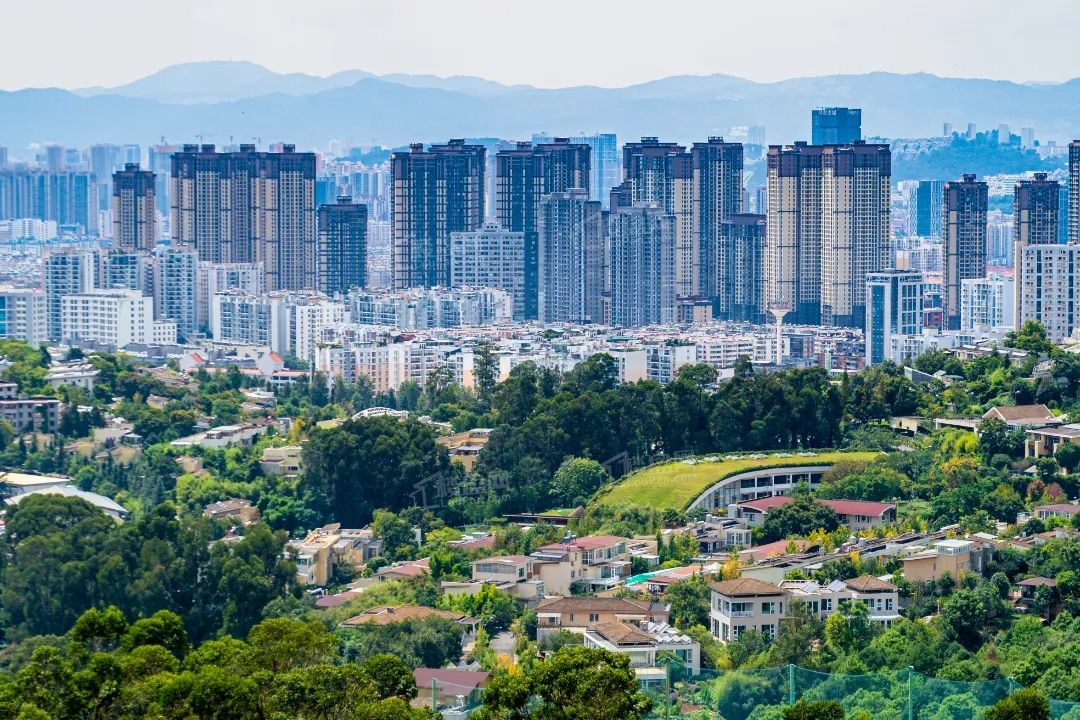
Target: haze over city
column 506, row 42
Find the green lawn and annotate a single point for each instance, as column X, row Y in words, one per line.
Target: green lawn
column 676, row 484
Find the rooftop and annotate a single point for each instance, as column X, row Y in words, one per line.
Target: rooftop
column 744, row 587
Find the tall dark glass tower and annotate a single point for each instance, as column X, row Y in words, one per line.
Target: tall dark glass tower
column 342, row 245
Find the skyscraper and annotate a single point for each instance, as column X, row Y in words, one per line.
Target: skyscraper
column 1047, row 288
column 134, row 209
column 571, row 231
column 66, row 272
column 662, row 174
column 717, row 195
column 104, row 161
column 66, row 197
column 964, row 209
column 740, row 290
column 928, row 208
column 342, row 246
column 248, row 206
column 174, row 287
column 641, row 281
column 1035, row 222
column 828, row 226
column 490, row 257
column 605, row 169
column 835, row 125
column 1074, row 191
column 524, row 176
column 160, row 163
column 436, row 192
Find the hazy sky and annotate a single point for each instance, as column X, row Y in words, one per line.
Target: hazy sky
column 72, row 43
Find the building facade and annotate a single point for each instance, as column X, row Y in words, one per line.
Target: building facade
column 435, row 192
column 1048, row 289
column 965, row 240
column 739, row 287
column 572, row 235
column 134, row 208
column 490, row 257
column 641, row 266
column 717, row 196
column 342, row 260
column 835, row 125
column 894, row 306
column 1035, row 222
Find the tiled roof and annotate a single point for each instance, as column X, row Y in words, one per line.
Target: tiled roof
column 390, row 614
column 857, row 507
column 767, row 503
column 625, row 606
column 869, row 583
column 745, row 586
column 619, row 633
column 590, row 542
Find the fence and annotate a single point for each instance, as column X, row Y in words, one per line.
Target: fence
column 762, row 693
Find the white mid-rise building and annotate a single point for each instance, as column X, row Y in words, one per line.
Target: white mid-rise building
column 212, row 278
column 114, row 318
column 987, row 303
column 28, row 228
column 22, row 315
column 174, row 287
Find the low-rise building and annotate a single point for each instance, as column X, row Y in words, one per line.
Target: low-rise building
column 854, row 514
column 465, row 446
column 642, row 644
column 27, row 413
column 281, row 460
column 593, row 563
column 232, row 509
column 456, row 691
column 390, row 614
column 749, row 604
column 1062, row 510
column 108, row 506
column 331, row 545
column 579, row 613
column 953, row 556
column 223, row 436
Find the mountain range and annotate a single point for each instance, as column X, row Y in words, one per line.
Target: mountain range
column 240, row 101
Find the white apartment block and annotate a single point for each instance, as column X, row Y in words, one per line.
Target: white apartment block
column 22, row 228
column 22, row 315
column 749, row 604
column 66, row 272
column 212, row 278
column 306, row 316
column 1048, row 289
column 421, row 309
column 249, row 320
column 174, row 287
column 987, row 303
column 491, row 257
column 114, row 318
column 663, row 361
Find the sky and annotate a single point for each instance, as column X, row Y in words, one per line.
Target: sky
column 553, row 43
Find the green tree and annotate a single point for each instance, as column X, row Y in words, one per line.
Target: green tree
column 1026, row 704
column 689, row 601
column 576, row 480
column 391, row 676
column 1068, row 456
column 575, row 682
column 813, row 710
column 797, row 519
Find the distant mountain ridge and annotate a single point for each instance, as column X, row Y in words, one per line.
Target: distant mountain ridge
column 225, row 100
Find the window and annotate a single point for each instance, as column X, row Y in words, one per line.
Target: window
column 768, row 608
column 594, row 617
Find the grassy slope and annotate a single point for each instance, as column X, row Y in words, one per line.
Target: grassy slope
column 676, row 484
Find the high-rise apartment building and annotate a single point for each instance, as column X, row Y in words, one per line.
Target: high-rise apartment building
column 571, row 230
column 125, row 270
column 1035, row 222
column 134, row 209
column 210, row 278
column 740, row 284
column 965, row 251
column 160, row 163
column 1074, row 191
column 605, row 167
column 491, row 257
column 641, row 264
column 104, row 161
column 894, row 307
column 928, row 209
column 248, row 206
column 66, row 197
column 717, row 195
column 828, row 227
column 342, row 246
column 835, row 126
column 662, row 174
column 1048, row 288
column 435, row 192
column 523, row 176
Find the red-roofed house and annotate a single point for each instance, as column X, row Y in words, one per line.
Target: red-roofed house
column 855, row 514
